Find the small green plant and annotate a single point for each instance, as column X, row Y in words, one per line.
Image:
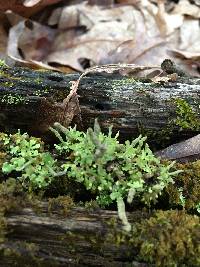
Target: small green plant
column 113, row 171
column 186, row 117
column 26, row 156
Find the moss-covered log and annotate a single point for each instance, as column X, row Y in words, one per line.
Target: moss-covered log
column 32, row 100
column 84, row 237
column 77, row 238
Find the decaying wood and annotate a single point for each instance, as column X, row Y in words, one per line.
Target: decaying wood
column 75, row 239
column 33, row 100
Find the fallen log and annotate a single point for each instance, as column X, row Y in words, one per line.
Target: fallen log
column 33, row 101
column 75, row 239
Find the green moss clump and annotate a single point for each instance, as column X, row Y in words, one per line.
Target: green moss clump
column 12, row 198
column 186, row 117
column 186, row 188
column 167, row 239
column 63, row 203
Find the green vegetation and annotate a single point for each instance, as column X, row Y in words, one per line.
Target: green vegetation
column 185, row 191
column 186, row 117
column 2, row 63
column 168, row 239
column 26, row 156
column 113, row 172
column 12, row 197
column 12, row 99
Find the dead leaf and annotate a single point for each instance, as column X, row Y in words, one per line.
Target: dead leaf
column 32, row 64
column 31, row 3
column 107, row 28
column 184, row 7
column 183, row 150
column 186, row 55
column 167, row 23
column 34, row 44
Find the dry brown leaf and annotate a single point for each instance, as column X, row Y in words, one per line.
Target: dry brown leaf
column 30, row 3
column 55, row 16
column 184, row 7
column 190, row 36
column 167, row 23
column 34, row 43
column 107, row 28
column 183, row 150
column 14, row 34
column 32, row 64
column 26, row 8
column 17, row 7
column 186, row 55
column 145, row 41
column 141, row 33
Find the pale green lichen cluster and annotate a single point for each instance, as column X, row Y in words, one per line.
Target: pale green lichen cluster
column 11, row 99
column 112, row 171
column 26, row 156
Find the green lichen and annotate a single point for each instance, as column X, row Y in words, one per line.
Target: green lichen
column 11, row 99
column 38, row 80
column 8, row 84
column 27, row 157
column 185, row 119
column 22, row 253
column 112, row 171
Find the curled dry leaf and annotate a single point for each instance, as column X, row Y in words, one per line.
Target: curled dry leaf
column 30, row 3
column 186, row 55
column 32, row 64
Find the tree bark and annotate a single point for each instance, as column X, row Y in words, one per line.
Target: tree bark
column 75, row 239
column 33, row 100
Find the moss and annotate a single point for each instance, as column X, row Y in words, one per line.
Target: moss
column 11, row 198
column 61, row 203
column 186, row 189
column 2, row 63
column 186, row 117
column 8, row 84
column 21, row 254
column 168, row 238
